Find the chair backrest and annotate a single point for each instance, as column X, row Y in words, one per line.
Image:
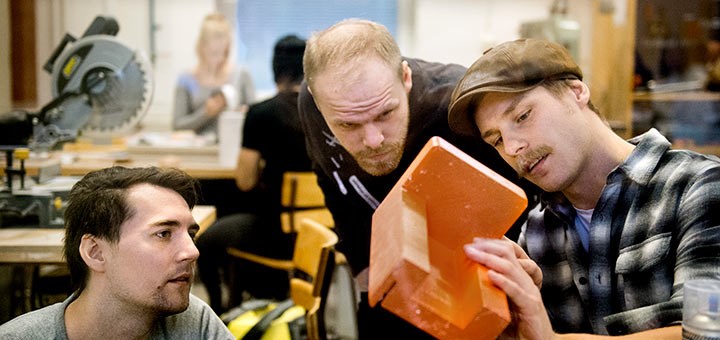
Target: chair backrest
column 320, row 280
column 300, row 190
column 302, row 198
column 314, row 258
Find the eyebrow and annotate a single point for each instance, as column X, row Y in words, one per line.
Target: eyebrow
column 175, row 224
column 513, row 105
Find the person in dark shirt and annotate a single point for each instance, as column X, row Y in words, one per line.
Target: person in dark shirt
column 367, row 112
column 273, row 143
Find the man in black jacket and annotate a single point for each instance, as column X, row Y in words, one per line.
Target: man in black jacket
column 366, row 112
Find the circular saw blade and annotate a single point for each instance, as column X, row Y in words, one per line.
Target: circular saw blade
column 120, row 103
column 117, row 83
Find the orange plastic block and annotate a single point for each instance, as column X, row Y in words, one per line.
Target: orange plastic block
column 418, row 269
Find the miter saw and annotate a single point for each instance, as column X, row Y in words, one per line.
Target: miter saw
column 101, row 89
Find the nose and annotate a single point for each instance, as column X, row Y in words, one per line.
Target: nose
column 513, row 146
column 188, row 250
column 372, row 136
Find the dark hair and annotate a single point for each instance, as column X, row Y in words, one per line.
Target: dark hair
column 287, row 60
column 97, row 205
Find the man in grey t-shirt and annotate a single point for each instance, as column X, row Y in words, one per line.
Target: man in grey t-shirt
column 129, row 247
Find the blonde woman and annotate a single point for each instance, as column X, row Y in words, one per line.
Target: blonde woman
column 214, row 84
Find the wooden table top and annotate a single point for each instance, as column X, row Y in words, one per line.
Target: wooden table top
column 44, row 245
column 196, row 167
column 201, row 163
column 677, row 96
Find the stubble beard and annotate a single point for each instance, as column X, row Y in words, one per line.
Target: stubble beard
column 380, row 168
column 166, row 307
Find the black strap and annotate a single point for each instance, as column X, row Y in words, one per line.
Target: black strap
column 257, row 331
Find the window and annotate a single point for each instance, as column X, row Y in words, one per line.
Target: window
column 261, row 23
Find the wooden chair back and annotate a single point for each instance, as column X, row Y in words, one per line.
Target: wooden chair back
column 311, row 271
column 314, row 261
column 302, row 198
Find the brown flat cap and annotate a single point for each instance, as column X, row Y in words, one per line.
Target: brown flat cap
column 513, row 66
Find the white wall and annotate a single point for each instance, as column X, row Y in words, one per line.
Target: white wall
column 447, row 31
column 460, row 31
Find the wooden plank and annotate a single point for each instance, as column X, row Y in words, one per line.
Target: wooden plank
column 31, row 245
column 197, row 168
column 611, row 72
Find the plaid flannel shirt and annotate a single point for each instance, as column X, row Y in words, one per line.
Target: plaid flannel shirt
column 656, row 225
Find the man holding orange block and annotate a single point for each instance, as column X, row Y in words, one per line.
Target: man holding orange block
column 622, row 225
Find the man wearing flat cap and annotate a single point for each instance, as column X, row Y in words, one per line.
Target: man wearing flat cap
column 622, row 225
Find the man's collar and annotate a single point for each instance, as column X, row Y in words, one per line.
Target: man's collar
column 649, row 148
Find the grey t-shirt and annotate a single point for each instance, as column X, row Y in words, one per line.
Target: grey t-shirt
column 197, row 322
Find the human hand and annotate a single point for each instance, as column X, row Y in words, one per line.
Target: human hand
column 528, row 264
column 510, row 269
column 215, row 104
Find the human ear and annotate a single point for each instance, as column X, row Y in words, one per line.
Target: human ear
column 407, row 76
column 91, row 251
column 581, row 93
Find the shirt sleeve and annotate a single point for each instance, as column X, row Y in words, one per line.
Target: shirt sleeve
column 699, row 233
column 184, row 116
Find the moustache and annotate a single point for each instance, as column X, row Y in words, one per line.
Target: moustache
column 374, row 152
column 526, row 161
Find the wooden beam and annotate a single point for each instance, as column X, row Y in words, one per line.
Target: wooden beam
column 612, row 65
